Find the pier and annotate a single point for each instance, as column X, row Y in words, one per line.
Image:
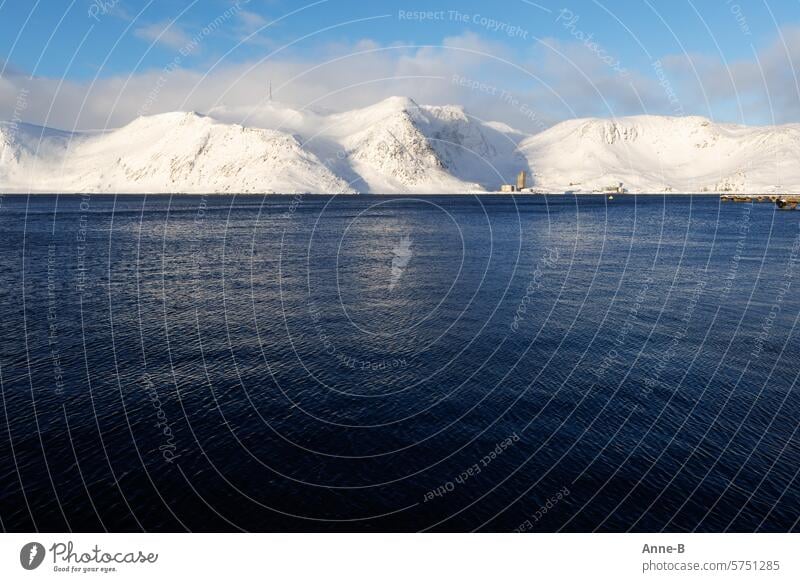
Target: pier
column 782, row 201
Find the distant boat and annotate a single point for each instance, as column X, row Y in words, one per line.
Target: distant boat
column 788, row 203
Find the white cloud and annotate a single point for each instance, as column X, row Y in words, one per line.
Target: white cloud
column 555, row 81
column 765, row 88
column 251, row 21
column 165, row 33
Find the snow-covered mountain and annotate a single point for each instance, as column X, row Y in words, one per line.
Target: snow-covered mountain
column 658, row 154
column 396, row 146
column 173, row 152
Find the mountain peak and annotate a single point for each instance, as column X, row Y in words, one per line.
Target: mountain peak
column 397, row 102
column 170, row 118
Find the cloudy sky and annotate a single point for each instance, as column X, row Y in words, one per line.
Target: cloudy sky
column 91, row 64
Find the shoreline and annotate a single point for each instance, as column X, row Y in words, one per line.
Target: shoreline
column 401, row 194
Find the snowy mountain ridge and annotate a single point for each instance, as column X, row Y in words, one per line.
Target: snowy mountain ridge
column 396, row 146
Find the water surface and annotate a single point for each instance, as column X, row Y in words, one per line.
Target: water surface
column 396, row 363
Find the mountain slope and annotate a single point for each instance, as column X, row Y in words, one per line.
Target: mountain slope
column 25, row 151
column 473, row 150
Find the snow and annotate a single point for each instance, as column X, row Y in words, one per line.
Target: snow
column 173, row 152
column 396, row 146
column 665, row 154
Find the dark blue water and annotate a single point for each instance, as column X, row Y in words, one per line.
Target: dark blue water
column 383, row 364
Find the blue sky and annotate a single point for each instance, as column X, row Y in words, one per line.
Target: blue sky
column 580, row 57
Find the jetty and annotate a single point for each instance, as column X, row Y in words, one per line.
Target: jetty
column 782, row 201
